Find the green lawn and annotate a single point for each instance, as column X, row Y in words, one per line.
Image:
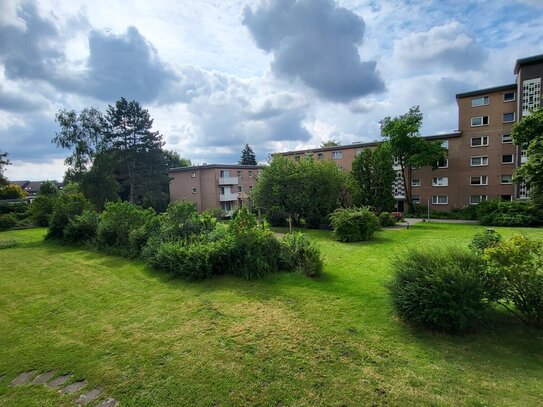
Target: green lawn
column 149, row 340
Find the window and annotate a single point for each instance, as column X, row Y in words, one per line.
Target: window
column 531, row 95
column 479, row 180
column 480, row 101
column 193, row 190
column 507, row 179
column 440, row 199
column 509, row 96
column 415, row 199
column 479, row 141
column 508, row 117
column 476, row 199
column 440, row 182
column 443, row 163
column 506, row 138
column 193, row 175
column 415, row 182
column 337, row 155
column 320, row 156
column 445, row 144
column 250, row 174
column 358, row 151
column 240, row 174
column 478, row 161
column 240, row 188
column 250, row 187
column 506, row 198
column 479, row 121
column 222, row 190
column 507, row 159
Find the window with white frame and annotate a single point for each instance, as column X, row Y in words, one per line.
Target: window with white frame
column 415, row 182
column 193, row 190
column 479, row 141
column 480, row 101
column 240, row 188
column 440, row 181
column 508, row 117
column 507, row 179
column 531, row 95
column 320, row 156
column 440, row 199
column 337, row 155
column 478, row 161
column 358, row 151
column 479, row 180
column 479, row 121
column 507, row 139
column 509, row 96
column 477, row 199
column 443, row 163
column 250, row 174
column 415, row 199
column 193, row 175
column 507, row 159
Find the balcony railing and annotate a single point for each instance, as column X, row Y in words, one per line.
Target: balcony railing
column 228, row 180
column 228, row 196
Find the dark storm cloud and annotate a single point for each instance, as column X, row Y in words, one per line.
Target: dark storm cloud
column 315, row 41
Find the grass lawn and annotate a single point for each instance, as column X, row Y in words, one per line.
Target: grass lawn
column 149, row 340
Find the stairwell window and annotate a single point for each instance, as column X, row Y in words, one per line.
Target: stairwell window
column 479, row 121
column 337, row 155
column 479, row 180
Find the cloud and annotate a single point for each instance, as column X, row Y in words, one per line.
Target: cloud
column 447, row 45
column 316, row 42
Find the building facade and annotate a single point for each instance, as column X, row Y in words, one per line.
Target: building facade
column 214, row 186
column 481, row 155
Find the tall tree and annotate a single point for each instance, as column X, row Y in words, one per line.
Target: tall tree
column 374, row 176
column 172, row 159
column 3, row 163
column 247, row 156
column 408, row 147
column 528, row 134
column 330, row 143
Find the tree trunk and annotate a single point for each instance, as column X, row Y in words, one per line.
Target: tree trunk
column 410, row 208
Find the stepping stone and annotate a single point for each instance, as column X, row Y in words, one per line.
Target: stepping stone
column 23, row 378
column 74, row 387
column 43, row 377
column 59, row 381
column 107, row 403
column 89, row 396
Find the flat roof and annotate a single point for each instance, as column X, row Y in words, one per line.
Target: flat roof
column 528, row 60
column 225, row 166
column 487, row 90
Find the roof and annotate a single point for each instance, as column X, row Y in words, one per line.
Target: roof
column 487, row 90
column 526, row 61
column 221, row 166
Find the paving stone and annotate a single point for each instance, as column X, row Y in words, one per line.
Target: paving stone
column 43, row 377
column 23, row 378
column 89, row 396
column 74, row 387
column 59, row 381
column 107, row 403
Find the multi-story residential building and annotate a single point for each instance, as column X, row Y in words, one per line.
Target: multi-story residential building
column 481, row 155
column 214, row 186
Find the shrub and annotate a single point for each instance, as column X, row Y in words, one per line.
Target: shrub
column 386, row 219
column 516, row 269
column 139, row 238
column 41, row 209
column 65, row 208
column 6, row 244
column 276, row 220
column 440, row 290
column 507, row 213
column 398, row 216
column 11, row 191
column 485, row 239
column 354, row 224
column 7, row 221
column 117, row 222
column 301, row 254
column 82, row 228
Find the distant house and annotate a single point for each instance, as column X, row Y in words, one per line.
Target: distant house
column 33, row 187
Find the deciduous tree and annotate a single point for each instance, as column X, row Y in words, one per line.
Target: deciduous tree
column 3, row 163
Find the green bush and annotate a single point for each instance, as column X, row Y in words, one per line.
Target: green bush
column 6, row 244
column 41, row 209
column 515, row 267
column 276, row 220
column 117, row 222
column 354, row 224
column 301, row 254
column 386, row 219
column 507, row 213
column 440, row 290
column 485, row 239
column 82, row 228
column 14, row 207
column 65, row 208
column 7, row 221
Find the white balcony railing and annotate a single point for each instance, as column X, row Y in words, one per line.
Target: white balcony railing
column 228, row 180
column 228, row 196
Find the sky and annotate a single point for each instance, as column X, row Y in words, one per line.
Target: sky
column 279, row 75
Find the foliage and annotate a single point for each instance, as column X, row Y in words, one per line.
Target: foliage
column 65, row 208
column 485, row 239
column 373, row 173
column 82, row 228
column 329, row 143
column 41, row 209
column 7, row 221
column 441, row 290
column 11, row 191
column 276, row 220
column 248, row 156
column 528, row 134
column 3, row 163
column 172, row 159
column 99, row 184
column 194, row 261
column 507, row 213
column 301, row 254
column 386, row 219
column 353, row 224
column 6, row 244
column 411, row 150
column 516, row 269
column 117, row 222
column 397, row 216
column 48, row 188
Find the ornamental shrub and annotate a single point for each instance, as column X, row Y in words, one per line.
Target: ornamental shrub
column 485, row 239
column 386, row 219
column 11, row 191
column 7, row 221
column 41, row 209
column 507, row 213
column 65, row 208
column 82, row 228
column 441, row 290
column 353, row 224
column 301, row 254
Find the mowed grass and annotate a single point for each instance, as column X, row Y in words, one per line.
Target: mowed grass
column 150, row 340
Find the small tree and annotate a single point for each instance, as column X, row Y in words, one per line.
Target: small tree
column 12, row 191
column 3, row 163
column 48, row 188
column 330, row 143
column 247, row 156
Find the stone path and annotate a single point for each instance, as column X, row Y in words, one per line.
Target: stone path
column 51, row 381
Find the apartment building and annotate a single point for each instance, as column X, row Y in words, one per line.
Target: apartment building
column 481, row 155
column 214, row 186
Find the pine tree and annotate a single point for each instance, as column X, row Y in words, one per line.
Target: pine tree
column 247, row 156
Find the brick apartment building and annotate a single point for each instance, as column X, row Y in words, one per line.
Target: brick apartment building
column 214, row 186
column 481, row 155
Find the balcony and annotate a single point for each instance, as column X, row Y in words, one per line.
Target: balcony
column 228, row 196
column 228, row 180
